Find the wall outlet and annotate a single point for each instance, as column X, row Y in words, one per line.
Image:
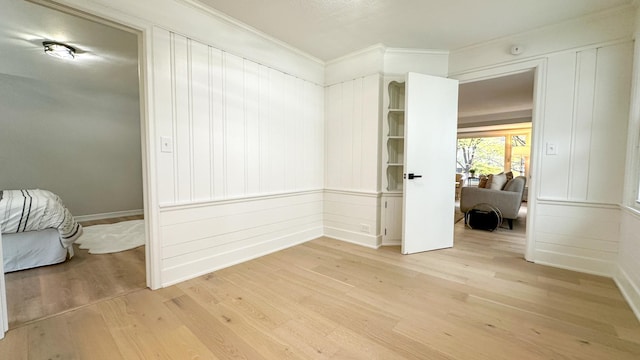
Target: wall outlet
column 365, row 228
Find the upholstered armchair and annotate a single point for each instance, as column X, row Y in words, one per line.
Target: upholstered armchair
column 508, row 200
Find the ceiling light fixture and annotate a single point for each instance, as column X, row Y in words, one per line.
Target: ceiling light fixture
column 59, row 50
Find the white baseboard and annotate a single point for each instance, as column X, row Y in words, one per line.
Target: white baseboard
column 392, row 243
column 575, row 263
column 207, row 265
column 370, row 241
column 630, row 291
column 109, row 215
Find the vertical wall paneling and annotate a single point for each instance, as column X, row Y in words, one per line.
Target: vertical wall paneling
column 346, row 134
column 266, row 124
column 278, row 157
column 182, row 117
column 610, row 121
column 201, row 149
column 582, row 124
column 352, row 132
column 216, row 108
column 370, row 130
column 238, row 128
column 246, row 171
column 357, row 134
column 333, row 110
column 558, row 113
column 252, row 123
column 162, row 95
column 235, row 127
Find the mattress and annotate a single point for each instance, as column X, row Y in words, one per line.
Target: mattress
column 31, row 249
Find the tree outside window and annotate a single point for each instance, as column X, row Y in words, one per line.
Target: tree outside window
column 494, row 153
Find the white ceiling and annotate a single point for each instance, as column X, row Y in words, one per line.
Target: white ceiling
column 504, row 100
column 325, row 29
column 328, row 29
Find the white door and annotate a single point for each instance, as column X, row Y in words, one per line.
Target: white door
column 431, row 118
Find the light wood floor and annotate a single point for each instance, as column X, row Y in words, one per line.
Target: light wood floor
column 84, row 279
column 327, row 299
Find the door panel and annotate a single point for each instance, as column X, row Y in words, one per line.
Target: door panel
column 431, row 117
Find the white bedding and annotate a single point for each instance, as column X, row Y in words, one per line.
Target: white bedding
column 31, row 249
column 34, row 210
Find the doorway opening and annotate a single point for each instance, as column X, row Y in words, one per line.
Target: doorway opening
column 495, row 127
column 88, row 111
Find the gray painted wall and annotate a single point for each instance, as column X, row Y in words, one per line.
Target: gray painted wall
column 83, row 144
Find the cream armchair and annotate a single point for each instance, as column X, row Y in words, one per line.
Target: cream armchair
column 508, row 200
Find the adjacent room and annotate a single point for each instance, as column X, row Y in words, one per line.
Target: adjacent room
column 494, row 138
column 299, row 167
column 71, row 130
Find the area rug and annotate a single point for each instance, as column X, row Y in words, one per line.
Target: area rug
column 110, row 238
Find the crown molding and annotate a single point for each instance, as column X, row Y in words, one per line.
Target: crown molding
column 214, row 12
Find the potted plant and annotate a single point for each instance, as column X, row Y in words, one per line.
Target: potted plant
column 472, row 172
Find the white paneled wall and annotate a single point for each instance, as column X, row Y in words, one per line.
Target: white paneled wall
column 238, row 128
column 577, row 218
column 581, row 237
column 586, row 107
column 628, row 272
column 244, row 169
column 200, row 239
column 351, row 203
column 352, row 217
column 352, row 123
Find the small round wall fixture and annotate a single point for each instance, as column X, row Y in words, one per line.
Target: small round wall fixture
column 59, row 50
column 516, row 50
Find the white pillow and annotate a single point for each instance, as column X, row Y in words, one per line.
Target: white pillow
column 498, row 181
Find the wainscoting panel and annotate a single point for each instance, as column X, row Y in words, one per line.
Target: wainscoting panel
column 235, row 128
column 197, row 239
column 352, row 217
column 627, row 275
column 577, row 236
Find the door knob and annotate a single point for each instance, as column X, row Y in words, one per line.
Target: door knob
column 413, row 176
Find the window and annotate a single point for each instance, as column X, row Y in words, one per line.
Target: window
column 492, row 152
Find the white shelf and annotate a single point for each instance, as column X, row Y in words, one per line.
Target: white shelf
column 394, row 156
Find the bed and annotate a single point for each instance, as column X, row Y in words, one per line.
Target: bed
column 37, row 229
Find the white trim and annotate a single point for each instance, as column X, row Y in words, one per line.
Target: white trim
column 4, row 315
column 417, row 51
column 575, row 263
column 592, row 16
column 378, row 47
column 370, row 241
column 551, row 201
column 629, row 290
column 235, row 22
column 392, row 243
column 237, row 256
column 354, row 192
column 539, row 66
column 197, row 204
column 109, row 215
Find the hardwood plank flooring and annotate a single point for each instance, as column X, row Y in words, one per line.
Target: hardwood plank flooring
column 84, row 279
column 327, row 299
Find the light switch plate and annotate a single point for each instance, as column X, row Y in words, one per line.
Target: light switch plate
column 166, row 144
column 552, row 149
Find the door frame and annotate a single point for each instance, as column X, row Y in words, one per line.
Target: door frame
column 143, row 31
column 539, row 85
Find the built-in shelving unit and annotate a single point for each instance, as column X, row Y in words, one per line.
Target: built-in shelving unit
column 394, row 124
